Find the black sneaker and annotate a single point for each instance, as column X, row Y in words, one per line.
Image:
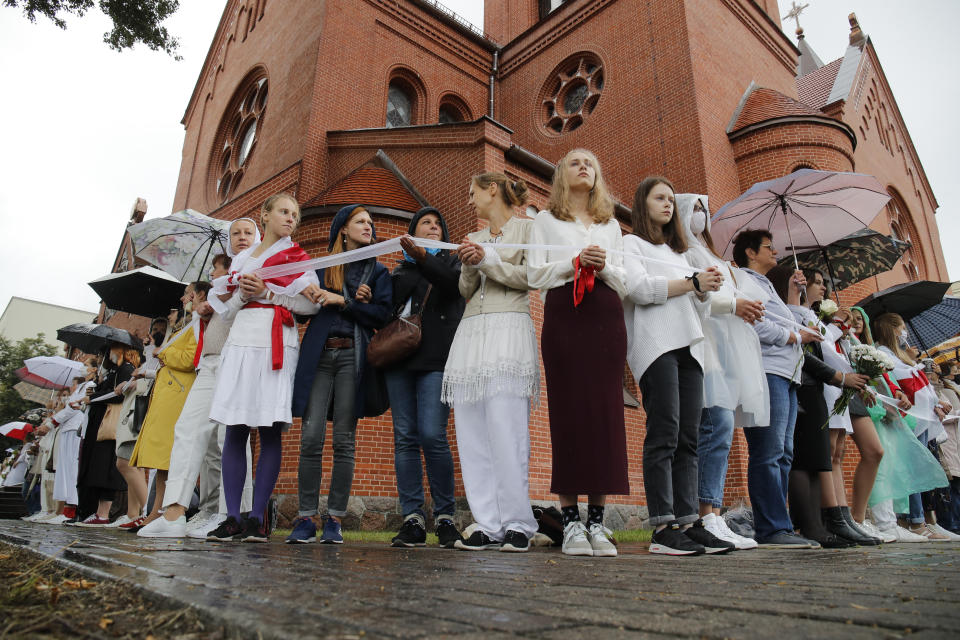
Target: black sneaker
column 478, row 541
column 447, row 533
column 254, row 531
column 672, row 541
column 515, row 542
column 229, row 529
column 711, row 543
column 413, row 533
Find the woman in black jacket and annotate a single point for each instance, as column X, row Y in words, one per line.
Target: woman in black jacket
column 425, row 282
column 811, row 437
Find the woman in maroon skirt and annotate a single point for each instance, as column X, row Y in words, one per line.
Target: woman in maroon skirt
column 584, row 347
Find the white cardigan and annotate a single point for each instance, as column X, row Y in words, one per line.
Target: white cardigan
column 655, row 323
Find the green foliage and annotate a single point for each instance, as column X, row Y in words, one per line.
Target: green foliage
column 133, row 20
column 12, row 355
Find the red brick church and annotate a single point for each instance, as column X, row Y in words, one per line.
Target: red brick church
column 397, row 103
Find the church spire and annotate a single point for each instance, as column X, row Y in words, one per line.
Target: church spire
column 808, row 61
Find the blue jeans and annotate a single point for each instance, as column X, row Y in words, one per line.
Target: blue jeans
column 916, row 500
column 771, row 454
column 713, row 450
column 420, row 422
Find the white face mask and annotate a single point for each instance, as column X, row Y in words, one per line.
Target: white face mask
column 903, row 337
column 698, row 222
column 188, row 307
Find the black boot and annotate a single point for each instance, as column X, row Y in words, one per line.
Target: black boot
column 834, row 523
column 832, row 541
column 845, row 511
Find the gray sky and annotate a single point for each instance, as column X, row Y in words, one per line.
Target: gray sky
column 88, row 130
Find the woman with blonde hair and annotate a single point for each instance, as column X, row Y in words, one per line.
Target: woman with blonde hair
column 584, row 346
column 255, row 380
column 491, row 376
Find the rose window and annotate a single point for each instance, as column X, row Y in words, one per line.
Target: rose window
column 572, row 92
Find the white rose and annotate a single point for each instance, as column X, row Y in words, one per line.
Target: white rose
column 828, row 307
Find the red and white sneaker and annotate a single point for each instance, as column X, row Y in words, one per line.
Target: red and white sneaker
column 93, row 521
column 134, row 525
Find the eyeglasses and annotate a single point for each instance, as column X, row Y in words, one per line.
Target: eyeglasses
column 766, row 246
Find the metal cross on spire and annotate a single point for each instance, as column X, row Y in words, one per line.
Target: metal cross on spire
column 795, row 11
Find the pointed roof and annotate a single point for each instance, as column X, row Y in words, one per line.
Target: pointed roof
column 809, row 61
column 814, row 88
column 377, row 183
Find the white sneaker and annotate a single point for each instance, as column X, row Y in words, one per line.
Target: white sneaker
column 124, row 519
column 199, row 519
column 43, row 516
column 718, row 527
column 201, row 531
column 944, row 532
column 163, row 528
column 871, row 530
column 930, row 533
column 60, row 519
column 575, row 542
column 905, row 535
column 599, row 537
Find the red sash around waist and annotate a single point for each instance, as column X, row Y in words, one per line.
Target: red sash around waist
column 281, row 317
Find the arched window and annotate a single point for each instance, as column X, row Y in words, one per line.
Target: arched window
column 400, row 104
column 901, row 228
column 237, row 136
column 452, row 109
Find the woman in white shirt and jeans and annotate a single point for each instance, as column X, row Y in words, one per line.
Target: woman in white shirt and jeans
column 583, row 343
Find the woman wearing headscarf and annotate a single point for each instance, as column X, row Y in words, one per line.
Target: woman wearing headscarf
column 354, row 299
column 733, row 376
column 426, row 282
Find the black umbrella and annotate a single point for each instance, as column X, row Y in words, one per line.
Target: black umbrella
column 908, row 300
column 145, row 291
column 853, row 258
column 91, row 338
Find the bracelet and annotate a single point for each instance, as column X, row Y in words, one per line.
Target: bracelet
column 696, row 282
column 843, row 379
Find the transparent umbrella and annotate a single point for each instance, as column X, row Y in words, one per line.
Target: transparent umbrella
column 182, row 244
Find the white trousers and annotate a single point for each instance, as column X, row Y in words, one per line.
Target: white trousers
column 198, row 447
column 494, row 444
column 67, row 463
column 883, row 515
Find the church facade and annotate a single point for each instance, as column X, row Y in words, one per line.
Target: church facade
column 397, row 103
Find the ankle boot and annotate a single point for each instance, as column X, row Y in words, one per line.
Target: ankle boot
column 845, row 511
column 834, row 523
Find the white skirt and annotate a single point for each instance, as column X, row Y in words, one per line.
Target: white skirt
column 249, row 391
column 492, row 354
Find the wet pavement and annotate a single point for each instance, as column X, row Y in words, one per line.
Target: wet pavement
column 371, row 591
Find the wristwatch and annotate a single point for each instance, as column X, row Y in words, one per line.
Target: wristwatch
column 696, row 282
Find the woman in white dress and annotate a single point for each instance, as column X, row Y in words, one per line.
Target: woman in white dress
column 255, row 382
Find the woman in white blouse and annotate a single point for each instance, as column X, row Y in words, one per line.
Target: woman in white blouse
column 583, row 344
column 665, row 352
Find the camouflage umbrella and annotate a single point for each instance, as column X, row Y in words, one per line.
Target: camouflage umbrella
column 850, row 259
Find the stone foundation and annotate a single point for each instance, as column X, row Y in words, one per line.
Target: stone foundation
column 372, row 513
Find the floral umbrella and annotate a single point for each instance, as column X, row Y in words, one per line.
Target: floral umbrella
column 856, row 257
column 943, row 352
column 32, row 392
column 182, row 244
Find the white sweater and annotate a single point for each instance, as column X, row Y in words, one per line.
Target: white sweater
column 655, row 323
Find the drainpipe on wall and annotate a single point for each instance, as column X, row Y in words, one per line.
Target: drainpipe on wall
column 493, row 77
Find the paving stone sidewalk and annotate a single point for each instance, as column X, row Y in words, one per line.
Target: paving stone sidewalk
column 372, row 591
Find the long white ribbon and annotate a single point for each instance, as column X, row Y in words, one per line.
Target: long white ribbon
column 393, row 245
column 892, row 403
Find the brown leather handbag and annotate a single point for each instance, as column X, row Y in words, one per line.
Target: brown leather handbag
column 399, row 339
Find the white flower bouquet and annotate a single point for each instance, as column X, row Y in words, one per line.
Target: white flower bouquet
column 866, row 360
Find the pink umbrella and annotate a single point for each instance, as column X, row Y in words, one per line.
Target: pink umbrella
column 16, row 430
column 804, row 209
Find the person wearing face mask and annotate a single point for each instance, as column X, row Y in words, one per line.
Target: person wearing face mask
column 733, row 375
column 70, row 420
column 426, row 283
column 171, row 387
column 197, row 440
column 891, row 336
